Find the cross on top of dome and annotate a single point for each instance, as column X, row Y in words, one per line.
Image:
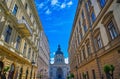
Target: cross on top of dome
column 59, row 50
column 59, row 47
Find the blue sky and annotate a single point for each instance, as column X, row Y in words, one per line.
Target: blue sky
column 57, row 19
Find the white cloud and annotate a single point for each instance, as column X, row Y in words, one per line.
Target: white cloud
column 54, row 2
column 48, row 12
column 66, row 60
column 69, row 3
column 40, row 5
column 63, row 5
column 52, row 60
column 53, row 53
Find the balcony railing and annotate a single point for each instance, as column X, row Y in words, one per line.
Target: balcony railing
column 24, row 28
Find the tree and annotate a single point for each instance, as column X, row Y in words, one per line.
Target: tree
column 6, row 69
column 71, row 75
column 109, row 71
column 84, row 75
column 68, row 77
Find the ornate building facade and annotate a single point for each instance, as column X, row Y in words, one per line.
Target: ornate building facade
column 59, row 69
column 95, row 39
column 19, row 38
column 43, row 57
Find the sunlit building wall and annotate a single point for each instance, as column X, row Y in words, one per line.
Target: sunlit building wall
column 95, row 39
column 43, row 57
column 19, row 38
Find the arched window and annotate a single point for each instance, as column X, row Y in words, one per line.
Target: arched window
column 16, row 73
column 26, row 77
column 11, row 72
column 59, row 73
column 21, row 71
column 1, row 66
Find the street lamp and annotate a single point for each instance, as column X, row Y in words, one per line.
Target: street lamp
column 76, row 71
column 32, row 68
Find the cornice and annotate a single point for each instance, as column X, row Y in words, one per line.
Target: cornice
column 35, row 13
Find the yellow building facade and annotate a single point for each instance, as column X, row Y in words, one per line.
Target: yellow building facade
column 19, row 38
column 95, row 39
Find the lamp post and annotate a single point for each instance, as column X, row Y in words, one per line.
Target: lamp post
column 32, row 68
column 76, row 72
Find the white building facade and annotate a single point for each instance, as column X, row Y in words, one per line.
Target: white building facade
column 43, row 57
column 59, row 69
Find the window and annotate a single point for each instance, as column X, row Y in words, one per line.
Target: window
column 25, row 47
column 21, row 72
column 8, row 34
column 99, row 41
column 23, row 18
column 33, row 56
column 81, row 35
column 89, row 3
column 30, row 15
column 82, row 14
column 26, row 76
column 1, row 66
column 18, row 42
column 15, row 9
column 87, row 6
column 93, row 72
column 87, row 75
column 29, row 52
column 26, row 6
column 93, row 17
column 11, row 72
column 80, row 76
column 79, row 23
column 85, row 28
column 83, row 51
column 88, row 49
column 112, row 30
column 102, row 3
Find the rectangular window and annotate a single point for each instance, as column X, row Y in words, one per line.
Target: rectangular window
column 102, row 3
column 23, row 18
column 93, row 72
column 29, row 52
column 26, row 6
column 33, row 56
column 81, row 35
column 79, row 23
column 80, row 76
column 87, row 74
column 88, row 49
column 8, row 34
column 112, row 31
column 82, row 14
column 84, row 55
column 85, row 28
column 89, row 3
column 15, row 9
column 18, row 42
column 30, row 15
column 99, row 41
column 93, row 17
column 80, row 57
column 87, row 6
column 25, row 47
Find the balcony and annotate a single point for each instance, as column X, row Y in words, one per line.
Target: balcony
column 24, row 28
